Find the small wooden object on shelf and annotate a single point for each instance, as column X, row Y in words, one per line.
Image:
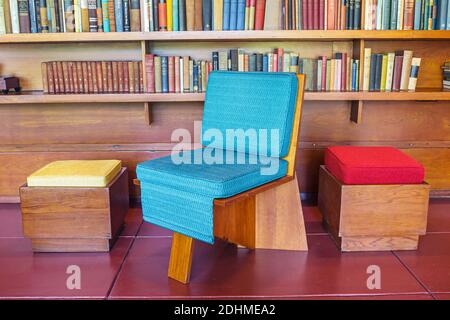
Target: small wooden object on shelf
column 9, row 83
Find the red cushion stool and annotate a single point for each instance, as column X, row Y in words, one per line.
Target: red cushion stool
column 373, row 198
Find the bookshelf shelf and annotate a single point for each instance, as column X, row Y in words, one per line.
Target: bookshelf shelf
column 37, row 97
column 265, row 35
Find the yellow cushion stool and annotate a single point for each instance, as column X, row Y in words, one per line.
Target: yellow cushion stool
column 75, row 205
column 75, row 173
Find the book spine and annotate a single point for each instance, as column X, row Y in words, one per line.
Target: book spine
column 406, row 69
column 357, row 15
column 448, row 15
column 65, row 72
column 443, row 15
column 226, row 14
column 191, row 76
column 162, row 16
column 417, row 14
column 384, row 62
column 171, row 73
column 198, row 23
column 126, row 15
column 118, row 12
column 372, row 68
column 105, row 16
column 398, row 61
column 414, row 73
column 233, row 14
column 158, row 79
column 50, row 78
column 14, row 12
column 164, row 75
column 390, row 71
column 169, row 15
column 206, row 15
column 175, row 16
column 135, row 15
column 186, row 79
column 120, row 77
column 240, row 23
column 394, row 13
column 59, row 17
column 33, row 18
column 408, row 19
column 378, row 66
column 141, row 76
column 259, row 14
column 182, row 15
column 217, row 13
column 44, row 73
column 69, row 18
column 177, row 74
column 366, row 71
column 150, row 72
column 126, row 77
column 24, row 16
column 190, row 15
column 156, row 14
column 4, row 12
column 92, row 11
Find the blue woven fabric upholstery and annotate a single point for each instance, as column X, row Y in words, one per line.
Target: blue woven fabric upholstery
column 255, row 100
column 180, row 197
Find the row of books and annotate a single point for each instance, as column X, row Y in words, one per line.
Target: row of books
column 176, row 74
column 446, row 76
column 44, row 16
column 92, row 77
column 407, row 15
column 219, row 15
column 392, row 71
column 337, row 74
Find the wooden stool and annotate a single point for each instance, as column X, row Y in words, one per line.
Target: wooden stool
column 372, row 217
column 75, row 218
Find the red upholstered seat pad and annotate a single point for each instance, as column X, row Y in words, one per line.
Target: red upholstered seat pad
column 372, row 165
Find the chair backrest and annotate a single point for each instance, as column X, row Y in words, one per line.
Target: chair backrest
column 246, row 105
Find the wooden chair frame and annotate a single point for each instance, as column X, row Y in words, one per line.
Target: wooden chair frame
column 267, row 217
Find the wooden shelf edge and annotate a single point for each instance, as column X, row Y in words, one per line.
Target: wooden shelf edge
column 262, row 35
column 36, row 97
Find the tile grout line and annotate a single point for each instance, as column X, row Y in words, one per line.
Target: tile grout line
column 113, row 283
column 413, row 274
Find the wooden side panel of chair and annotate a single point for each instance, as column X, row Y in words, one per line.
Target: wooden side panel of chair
column 291, row 156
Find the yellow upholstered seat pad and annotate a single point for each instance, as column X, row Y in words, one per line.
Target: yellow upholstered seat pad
column 76, row 173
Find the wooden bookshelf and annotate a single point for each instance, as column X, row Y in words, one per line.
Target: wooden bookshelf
column 280, row 35
column 37, row 97
column 38, row 128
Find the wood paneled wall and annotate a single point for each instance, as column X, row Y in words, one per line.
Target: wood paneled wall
column 33, row 135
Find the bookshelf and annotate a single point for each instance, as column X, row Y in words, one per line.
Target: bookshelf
column 40, row 128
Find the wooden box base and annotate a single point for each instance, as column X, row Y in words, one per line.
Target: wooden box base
column 373, row 217
column 75, row 219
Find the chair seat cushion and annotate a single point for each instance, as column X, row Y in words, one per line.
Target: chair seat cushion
column 221, row 180
column 76, row 173
column 372, row 165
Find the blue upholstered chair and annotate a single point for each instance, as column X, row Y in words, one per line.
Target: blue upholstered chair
column 233, row 188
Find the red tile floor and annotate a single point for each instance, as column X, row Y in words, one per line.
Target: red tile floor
column 137, row 266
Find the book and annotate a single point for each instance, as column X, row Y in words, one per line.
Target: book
column 198, row 10
column 14, row 12
column 389, row 71
column 158, row 73
column 118, row 12
column 175, row 16
column 162, row 16
column 126, row 16
column 233, row 14
column 406, row 69
column 164, row 75
column 226, row 14
column 105, row 16
column 112, row 15
column 398, row 62
column 218, row 14
column 169, row 14
column 272, row 15
column 135, row 16
column 259, row 14
column 367, row 65
column 182, row 15
column 414, row 73
column 24, row 16
column 92, row 12
column 240, row 23
column 190, row 15
column 207, row 15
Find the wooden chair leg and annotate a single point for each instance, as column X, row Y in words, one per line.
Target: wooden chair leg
column 279, row 218
column 181, row 258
